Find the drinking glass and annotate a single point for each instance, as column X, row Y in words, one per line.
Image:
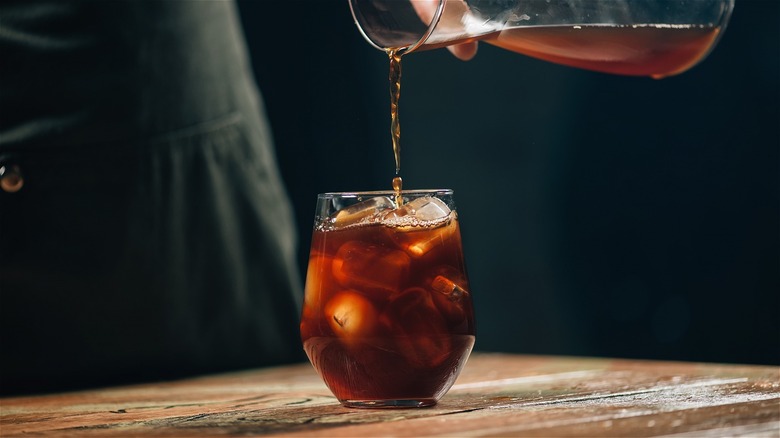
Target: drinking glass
column 387, row 319
column 655, row 38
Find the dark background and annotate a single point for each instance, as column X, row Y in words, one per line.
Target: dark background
column 602, row 215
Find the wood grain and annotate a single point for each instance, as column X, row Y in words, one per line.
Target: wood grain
column 496, row 395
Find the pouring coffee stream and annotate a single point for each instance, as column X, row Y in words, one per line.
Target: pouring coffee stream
column 395, row 126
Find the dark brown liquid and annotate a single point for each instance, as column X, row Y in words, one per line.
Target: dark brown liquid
column 395, row 95
column 649, row 50
column 387, row 313
column 376, row 367
column 395, row 125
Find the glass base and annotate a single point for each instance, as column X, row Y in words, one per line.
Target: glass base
column 389, row 404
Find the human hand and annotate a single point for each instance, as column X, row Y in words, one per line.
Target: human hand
column 426, row 10
column 464, row 51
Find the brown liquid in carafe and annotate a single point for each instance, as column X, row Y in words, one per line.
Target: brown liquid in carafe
column 653, row 50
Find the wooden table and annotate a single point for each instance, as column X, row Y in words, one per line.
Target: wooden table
column 496, row 395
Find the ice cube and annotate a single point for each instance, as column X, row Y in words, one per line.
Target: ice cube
column 370, row 268
column 420, row 241
column 351, row 316
column 448, row 288
column 450, row 294
column 419, row 328
column 418, row 212
column 370, row 210
column 421, row 225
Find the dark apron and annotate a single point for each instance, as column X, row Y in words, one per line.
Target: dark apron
column 150, row 236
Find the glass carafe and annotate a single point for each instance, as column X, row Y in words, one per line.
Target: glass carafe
column 655, row 38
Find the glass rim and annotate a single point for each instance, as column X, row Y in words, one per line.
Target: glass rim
column 385, row 193
column 405, row 49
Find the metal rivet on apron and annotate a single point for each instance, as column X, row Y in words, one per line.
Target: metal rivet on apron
column 11, row 179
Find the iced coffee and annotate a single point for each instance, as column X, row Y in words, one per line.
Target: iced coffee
column 387, row 319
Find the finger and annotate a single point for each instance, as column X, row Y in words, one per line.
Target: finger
column 426, row 9
column 465, row 51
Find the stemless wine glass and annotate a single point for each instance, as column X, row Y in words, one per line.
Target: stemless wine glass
column 655, row 38
column 387, row 319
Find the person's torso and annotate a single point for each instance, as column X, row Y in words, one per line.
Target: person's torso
column 80, row 72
